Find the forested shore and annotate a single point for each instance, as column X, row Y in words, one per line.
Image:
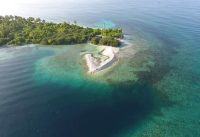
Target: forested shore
column 16, row 30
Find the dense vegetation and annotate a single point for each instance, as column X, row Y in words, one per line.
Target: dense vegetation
column 107, row 40
column 15, row 30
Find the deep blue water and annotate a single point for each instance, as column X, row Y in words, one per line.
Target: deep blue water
column 45, row 93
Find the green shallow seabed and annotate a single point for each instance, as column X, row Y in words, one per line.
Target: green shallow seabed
column 178, row 89
column 168, row 99
column 67, row 66
column 67, row 63
column 105, row 24
column 157, row 90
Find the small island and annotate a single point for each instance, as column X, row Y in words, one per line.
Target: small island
column 16, row 30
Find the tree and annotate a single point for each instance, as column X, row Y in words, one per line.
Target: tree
column 95, row 40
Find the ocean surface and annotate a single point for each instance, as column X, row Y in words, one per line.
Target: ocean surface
column 153, row 91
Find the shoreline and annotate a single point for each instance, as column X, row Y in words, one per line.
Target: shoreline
column 95, row 64
column 108, row 57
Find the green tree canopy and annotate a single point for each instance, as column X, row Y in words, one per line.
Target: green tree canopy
column 15, row 30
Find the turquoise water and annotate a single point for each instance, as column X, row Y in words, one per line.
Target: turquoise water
column 153, row 91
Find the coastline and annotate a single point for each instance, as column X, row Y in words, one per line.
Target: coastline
column 107, row 56
column 95, row 64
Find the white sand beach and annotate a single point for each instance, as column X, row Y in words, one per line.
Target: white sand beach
column 97, row 64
